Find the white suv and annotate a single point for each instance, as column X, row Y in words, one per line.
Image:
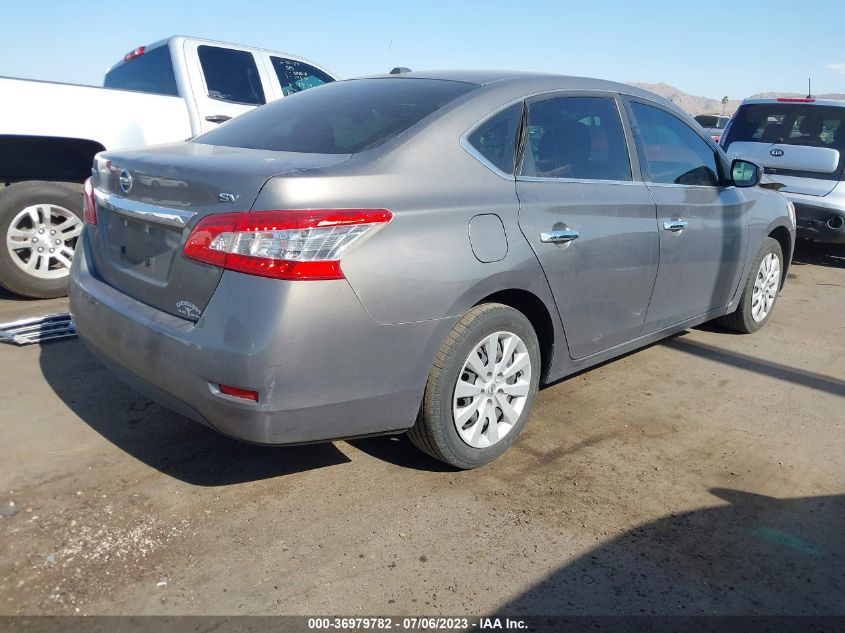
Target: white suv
column 801, row 144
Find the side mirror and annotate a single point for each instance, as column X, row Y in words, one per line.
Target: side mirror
column 745, row 174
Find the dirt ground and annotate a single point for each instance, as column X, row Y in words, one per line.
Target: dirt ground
column 701, row 475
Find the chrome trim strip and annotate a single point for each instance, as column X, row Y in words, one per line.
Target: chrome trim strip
column 581, row 180
column 144, row 211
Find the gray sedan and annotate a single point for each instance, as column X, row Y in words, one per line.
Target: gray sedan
column 417, row 252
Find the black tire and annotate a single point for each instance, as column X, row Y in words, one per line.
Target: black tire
column 435, row 432
column 14, row 199
column 741, row 319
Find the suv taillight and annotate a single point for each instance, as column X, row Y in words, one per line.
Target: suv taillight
column 89, row 205
column 300, row 244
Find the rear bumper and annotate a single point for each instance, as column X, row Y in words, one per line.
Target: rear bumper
column 820, row 218
column 322, row 368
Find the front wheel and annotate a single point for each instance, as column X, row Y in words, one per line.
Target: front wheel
column 480, row 389
column 760, row 292
column 40, row 223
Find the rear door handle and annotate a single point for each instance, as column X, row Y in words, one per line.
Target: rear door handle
column 675, row 225
column 217, row 118
column 559, row 236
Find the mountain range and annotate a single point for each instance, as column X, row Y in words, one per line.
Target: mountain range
column 705, row 105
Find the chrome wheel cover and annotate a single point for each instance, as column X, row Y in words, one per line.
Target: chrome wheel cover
column 492, row 389
column 41, row 240
column 766, row 286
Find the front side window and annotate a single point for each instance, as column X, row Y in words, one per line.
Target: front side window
column 671, row 152
column 231, row 75
column 576, row 137
column 295, row 76
column 495, row 139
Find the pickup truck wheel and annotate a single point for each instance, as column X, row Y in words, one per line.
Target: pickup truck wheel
column 40, row 223
column 480, row 389
column 760, row 292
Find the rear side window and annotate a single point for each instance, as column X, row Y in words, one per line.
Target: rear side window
column 295, row 76
column 231, row 75
column 152, row 71
column 576, row 137
column 495, row 139
column 342, row 117
column 671, row 152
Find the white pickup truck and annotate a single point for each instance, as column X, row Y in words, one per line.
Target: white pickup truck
column 49, row 133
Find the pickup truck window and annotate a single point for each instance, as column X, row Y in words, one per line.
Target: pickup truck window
column 231, row 75
column 342, row 117
column 152, row 71
column 295, row 76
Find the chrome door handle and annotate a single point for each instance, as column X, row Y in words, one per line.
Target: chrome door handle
column 675, row 225
column 560, row 236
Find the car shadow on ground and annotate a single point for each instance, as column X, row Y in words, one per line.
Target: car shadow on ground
column 164, row 440
column 756, row 555
column 6, row 295
column 778, row 371
column 807, row 252
column 399, row 451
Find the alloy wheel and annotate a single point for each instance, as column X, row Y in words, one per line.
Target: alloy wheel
column 41, row 240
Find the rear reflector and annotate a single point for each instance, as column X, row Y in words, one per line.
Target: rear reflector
column 89, row 206
column 294, row 245
column 133, row 54
column 237, row 392
column 795, row 100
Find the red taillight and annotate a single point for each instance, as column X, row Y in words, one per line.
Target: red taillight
column 795, row 100
column 237, row 392
column 297, row 245
column 133, row 54
column 89, row 205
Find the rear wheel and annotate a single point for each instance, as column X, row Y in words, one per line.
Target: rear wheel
column 481, row 388
column 760, row 292
column 40, row 223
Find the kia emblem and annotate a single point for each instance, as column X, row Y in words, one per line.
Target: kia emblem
column 776, row 152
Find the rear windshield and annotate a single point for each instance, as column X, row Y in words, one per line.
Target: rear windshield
column 789, row 123
column 711, row 120
column 152, row 71
column 342, row 117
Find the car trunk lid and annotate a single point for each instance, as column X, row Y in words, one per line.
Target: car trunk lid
column 795, row 166
column 149, row 200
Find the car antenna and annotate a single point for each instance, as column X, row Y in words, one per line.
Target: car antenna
column 809, row 89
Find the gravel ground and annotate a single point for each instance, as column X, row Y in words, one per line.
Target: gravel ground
column 701, row 475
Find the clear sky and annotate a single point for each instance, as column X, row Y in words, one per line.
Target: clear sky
column 710, row 48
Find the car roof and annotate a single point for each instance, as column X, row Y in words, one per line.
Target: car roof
column 798, row 101
column 534, row 82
